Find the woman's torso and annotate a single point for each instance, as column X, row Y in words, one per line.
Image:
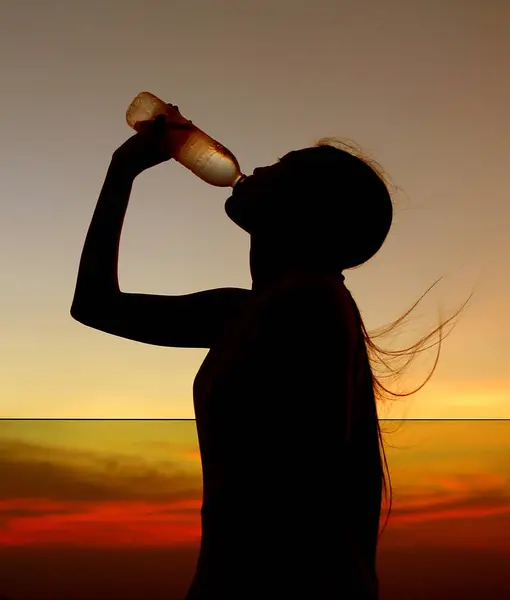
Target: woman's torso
column 262, row 519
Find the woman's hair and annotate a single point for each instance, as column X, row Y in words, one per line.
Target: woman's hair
column 375, row 198
column 357, row 219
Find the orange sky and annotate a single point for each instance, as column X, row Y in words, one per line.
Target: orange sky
column 421, row 86
column 109, row 489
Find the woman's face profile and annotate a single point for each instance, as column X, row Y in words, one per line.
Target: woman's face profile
column 262, row 205
column 264, row 195
column 252, row 194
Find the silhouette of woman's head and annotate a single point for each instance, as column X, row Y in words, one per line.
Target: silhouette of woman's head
column 320, row 208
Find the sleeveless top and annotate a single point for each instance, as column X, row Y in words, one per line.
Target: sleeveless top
column 291, row 500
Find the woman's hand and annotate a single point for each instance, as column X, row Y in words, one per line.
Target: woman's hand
column 149, row 147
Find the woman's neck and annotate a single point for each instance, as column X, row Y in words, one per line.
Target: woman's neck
column 276, row 280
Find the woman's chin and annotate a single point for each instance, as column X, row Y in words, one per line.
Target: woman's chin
column 228, row 206
column 234, row 214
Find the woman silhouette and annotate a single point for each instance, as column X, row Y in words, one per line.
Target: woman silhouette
column 284, row 400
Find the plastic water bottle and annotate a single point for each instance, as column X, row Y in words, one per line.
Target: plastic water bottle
column 194, row 149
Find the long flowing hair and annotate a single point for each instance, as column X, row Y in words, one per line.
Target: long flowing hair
column 382, row 359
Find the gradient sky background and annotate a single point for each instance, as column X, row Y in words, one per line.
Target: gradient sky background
column 423, row 87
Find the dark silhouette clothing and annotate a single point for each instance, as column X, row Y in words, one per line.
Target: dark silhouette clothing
column 290, row 507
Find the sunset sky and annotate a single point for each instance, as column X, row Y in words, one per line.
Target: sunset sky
column 111, row 509
column 423, row 87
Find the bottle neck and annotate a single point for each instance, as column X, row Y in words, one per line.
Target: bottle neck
column 240, row 178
